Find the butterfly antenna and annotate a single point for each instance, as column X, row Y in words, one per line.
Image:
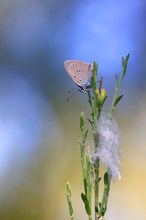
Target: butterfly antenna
column 73, row 92
column 70, row 97
column 70, row 91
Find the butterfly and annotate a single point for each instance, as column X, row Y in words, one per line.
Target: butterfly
column 80, row 72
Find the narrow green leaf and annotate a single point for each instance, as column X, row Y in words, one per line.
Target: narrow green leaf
column 68, row 195
column 85, row 185
column 88, row 209
column 82, row 121
column 99, row 204
column 94, row 76
column 68, row 189
column 89, row 95
column 88, row 171
column 123, row 61
column 84, row 198
column 85, row 135
column 96, row 209
column 86, row 203
column 99, row 179
column 117, row 80
column 103, row 212
column 91, row 123
column 95, row 66
column 127, row 57
column 117, row 100
column 106, row 178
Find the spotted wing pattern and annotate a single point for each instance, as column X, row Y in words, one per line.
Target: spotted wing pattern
column 79, row 71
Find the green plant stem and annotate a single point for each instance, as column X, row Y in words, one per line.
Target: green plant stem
column 118, row 84
column 95, row 134
column 90, row 217
column 86, row 169
column 82, row 147
column 96, row 170
column 69, row 200
column 108, row 189
column 105, row 196
column 94, row 113
column 117, row 89
column 93, row 106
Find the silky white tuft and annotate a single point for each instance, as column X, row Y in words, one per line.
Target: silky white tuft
column 109, row 143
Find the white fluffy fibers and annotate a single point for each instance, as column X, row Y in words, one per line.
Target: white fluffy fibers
column 109, row 143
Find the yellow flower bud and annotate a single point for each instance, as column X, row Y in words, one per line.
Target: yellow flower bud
column 96, row 91
column 101, row 94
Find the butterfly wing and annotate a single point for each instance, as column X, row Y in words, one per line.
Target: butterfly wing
column 79, row 71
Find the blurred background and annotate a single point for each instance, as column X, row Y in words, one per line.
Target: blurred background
column 39, row 129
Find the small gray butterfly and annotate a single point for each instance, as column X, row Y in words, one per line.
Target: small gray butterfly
column 80, row 72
